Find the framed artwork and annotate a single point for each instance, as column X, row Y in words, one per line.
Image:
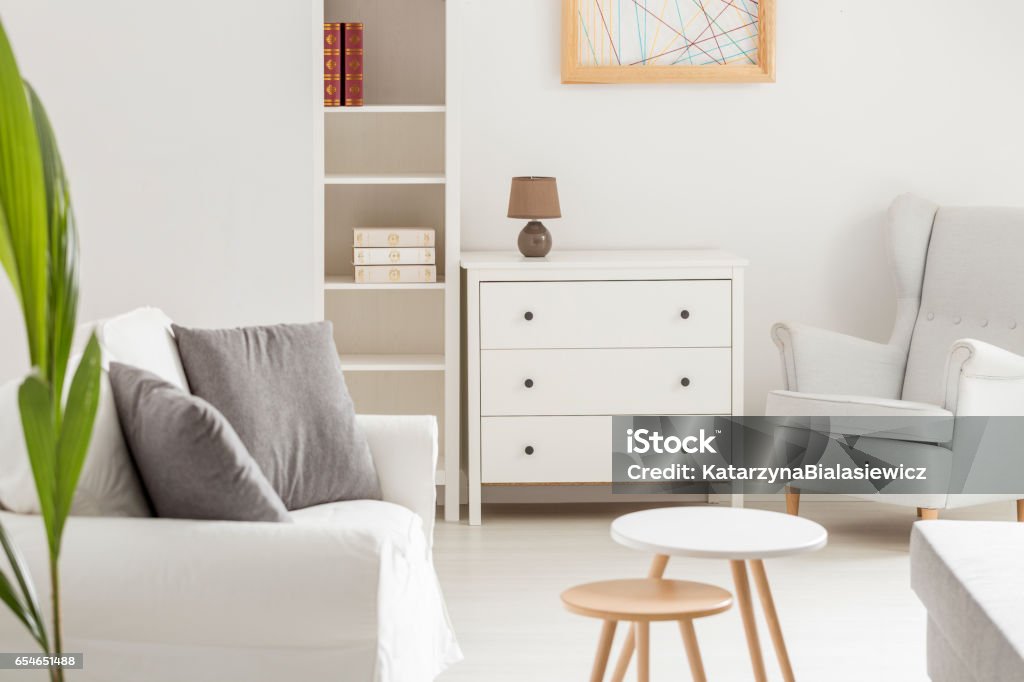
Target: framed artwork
column 665, row 41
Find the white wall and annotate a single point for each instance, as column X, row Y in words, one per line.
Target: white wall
column 187, row 131
column 873, row 98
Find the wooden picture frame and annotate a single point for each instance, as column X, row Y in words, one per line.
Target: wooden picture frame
column 632, row 41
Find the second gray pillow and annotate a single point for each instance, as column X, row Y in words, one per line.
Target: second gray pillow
column 190, row 460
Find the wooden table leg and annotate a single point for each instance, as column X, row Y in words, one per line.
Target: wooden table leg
column 604, row 648
column 739, row 578
column 657, row 570
column 692, row 650
column 770, row 615
column 643, row 651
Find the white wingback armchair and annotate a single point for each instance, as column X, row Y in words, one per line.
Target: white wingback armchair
column 955, row 349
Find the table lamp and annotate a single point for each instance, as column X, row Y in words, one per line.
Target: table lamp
column 534, row 198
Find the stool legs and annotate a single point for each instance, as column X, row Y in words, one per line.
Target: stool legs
column 770, row 615
column 739, row 578
column 692, row 650
column 657, row 570
column 604, row 648
column 643, row 651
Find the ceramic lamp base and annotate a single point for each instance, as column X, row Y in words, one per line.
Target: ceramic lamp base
column 535, row 240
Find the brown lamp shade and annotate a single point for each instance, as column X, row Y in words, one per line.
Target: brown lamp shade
column 534, row 198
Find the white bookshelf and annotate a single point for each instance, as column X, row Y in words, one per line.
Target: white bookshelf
column 394, row 162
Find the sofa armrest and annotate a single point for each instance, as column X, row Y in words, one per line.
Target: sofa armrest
column 984, row 380
column 821, row 361
column 213, row 583
column 405, row 453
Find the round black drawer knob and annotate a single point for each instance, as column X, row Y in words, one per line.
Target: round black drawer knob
column 529, row 450
column 685, row 314
column 528, row 383
column 528, row 315
column 685, row 381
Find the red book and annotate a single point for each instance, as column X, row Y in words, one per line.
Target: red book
column 332, row 65
column 353, row 33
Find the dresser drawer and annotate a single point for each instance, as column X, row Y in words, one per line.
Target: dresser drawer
column 606, row 381
column 606, row 314
column 546, row 449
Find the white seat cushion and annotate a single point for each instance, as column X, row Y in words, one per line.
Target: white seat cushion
column 143, row 339
column 863, row 416
column 966, row 573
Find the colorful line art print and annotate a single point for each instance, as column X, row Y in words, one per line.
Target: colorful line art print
column 650, row 41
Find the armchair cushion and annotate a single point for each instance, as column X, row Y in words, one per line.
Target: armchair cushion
column 851, row 415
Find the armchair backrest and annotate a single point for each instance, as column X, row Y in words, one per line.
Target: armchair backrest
column 972, row 287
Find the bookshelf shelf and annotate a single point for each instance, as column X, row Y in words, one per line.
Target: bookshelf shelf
column 348, row 283
column 385, row 179
column 392, row 363
column 388, row 109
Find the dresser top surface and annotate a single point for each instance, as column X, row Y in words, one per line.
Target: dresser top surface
column 686, row 258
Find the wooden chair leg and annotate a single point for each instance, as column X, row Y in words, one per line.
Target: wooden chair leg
column 604, row 648
column 643, row 651
column 657, row 570
column 927, row 513
column 1020, row 511
column 692, row 650
column 792, row 500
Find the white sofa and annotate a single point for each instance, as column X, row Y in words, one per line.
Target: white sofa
column 347, row 592
column 966, row 574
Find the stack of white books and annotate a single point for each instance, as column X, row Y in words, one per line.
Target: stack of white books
column 393, row 255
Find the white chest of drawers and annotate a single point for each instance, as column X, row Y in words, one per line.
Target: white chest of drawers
column 554, row 347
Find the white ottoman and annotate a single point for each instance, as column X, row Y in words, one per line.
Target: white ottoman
column 968, row 575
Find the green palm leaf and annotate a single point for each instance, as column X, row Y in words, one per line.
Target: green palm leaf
column 63, row 246
column 25, row 606
column 37, row 422
column 23, row 198
column 73, row 443
column 7, row 254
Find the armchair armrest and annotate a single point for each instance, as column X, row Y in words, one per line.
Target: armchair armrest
column 404, row 451
column 984, row 380
column 821, row 361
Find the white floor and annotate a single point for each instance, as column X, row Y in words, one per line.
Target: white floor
column 847, row 611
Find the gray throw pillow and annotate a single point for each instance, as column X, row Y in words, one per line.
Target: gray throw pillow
column 191, row 462
column 282, row 389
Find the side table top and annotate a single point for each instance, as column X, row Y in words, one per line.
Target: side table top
column 718, row 533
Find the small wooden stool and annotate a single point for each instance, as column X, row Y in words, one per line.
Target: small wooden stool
column 641, row 601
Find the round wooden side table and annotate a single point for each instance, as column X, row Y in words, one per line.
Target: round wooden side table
column 642, row 601
column 740, row 536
